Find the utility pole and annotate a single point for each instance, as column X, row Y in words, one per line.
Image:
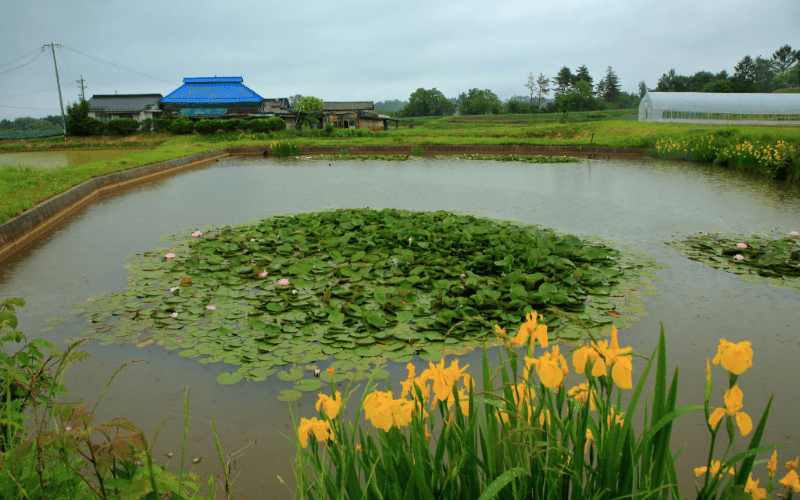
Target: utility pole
column 83, row 88
column 58, row 82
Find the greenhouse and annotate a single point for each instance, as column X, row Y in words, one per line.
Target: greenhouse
column 714, row 108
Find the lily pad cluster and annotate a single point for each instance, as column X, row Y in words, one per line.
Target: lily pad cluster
column 360, row 286
column 477, row 157
column 771, row 259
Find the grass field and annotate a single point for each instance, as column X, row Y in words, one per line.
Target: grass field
column 776, row 153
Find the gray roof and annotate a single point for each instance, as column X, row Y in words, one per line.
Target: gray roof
column 347, row 106
column 124, row 103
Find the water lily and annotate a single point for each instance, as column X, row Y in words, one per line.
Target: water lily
column 294, row 292
column 169, row 256
column 211, row 308
column 741, row 245
column 174, row 315
column 197, row 233
column 262, row 274
column 794, row 233
column 733, row 404
column 738, row 256
column 68, row 428
column 283, row 282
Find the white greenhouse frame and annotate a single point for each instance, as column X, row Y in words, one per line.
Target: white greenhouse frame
column 720, row 108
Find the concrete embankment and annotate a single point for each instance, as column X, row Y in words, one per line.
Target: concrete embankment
column 23, row 230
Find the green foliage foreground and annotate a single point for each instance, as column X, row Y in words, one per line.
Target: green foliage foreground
column 360, row 286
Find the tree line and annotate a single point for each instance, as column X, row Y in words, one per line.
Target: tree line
column 779, row 72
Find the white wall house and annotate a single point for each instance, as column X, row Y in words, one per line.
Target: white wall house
column 136, row 106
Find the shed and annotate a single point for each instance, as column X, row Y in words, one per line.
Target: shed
column 716, row 108
column 357, row 114
column 209, row 97
column 112, row 106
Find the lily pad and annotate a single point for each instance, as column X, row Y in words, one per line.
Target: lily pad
column 289, row 395
column 228, row 378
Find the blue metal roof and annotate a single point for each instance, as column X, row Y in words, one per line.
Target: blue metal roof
column 212, row 90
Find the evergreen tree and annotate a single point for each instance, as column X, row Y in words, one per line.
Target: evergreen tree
column 642, row 89
column 583, row 74
column 611, row 87
column 563, row 80
column 783, row 59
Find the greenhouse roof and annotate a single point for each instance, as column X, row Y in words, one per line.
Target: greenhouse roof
column 723, row 102
column 212, row 90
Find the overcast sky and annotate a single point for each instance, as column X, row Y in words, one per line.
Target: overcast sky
column 370, row 50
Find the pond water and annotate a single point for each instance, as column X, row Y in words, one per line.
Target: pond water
column 49, row 160
column 642, row 203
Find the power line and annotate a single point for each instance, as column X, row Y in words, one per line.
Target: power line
column 118, row 66
column 22, row 66
column 21, row 57
column 38, row 109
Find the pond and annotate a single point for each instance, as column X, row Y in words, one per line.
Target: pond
column 643, row 203
column 49, row 160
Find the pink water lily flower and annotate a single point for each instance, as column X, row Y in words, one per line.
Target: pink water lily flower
column 283, row 282
column 252, row 239
column 174, row 315
column 738, row 256
column 794, row 233
column 741, row 245
column 262, row 274
column 211, row 308
column 170, row 256
column 197, row 233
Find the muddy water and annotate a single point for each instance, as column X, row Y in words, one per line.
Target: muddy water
column 49, row 160
column 641, row 203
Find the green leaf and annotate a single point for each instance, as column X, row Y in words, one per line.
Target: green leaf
column 229, row 378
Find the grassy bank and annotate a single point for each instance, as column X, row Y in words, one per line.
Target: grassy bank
column 22, row 188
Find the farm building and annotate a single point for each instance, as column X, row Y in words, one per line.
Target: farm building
column 113, row 106
column 353, row 115
column 213, row 97
column 714, row 108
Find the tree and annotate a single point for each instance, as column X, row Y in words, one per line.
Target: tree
column 78, row 121
column 642, row 89
column 427, row 103
column 717, row 86
column 583, row 74
column 783, row 59
column 532, row 86
column 544, row 87
column 309, row 103
column 744, row 75
column 293, row 100
column 563, row 81
column 764, row 75
column 611, row 86
column 479, row 102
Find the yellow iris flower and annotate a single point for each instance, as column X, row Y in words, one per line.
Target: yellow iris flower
column 736, row 358
column 791, row 481
column 733, row 404
column 443, row 378
column 752, row 488
column 384, row 411
column 772, row 465
column 329, row 405
column 715, row 465
column 581, row 393
column 550, row 366
column 320, row 429
column 531, row 329
column 602, row 354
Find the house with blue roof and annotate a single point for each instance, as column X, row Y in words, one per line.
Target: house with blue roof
column 219, row 97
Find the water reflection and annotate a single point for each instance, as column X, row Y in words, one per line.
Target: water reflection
column 641, row 203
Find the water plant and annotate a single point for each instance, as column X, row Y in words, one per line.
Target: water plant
column 284, row 148
column 527, row 436
column 361, row 285
column 772, row 259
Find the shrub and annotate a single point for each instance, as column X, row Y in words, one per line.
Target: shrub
column 272, row 124
column 207, row 127
column 182, row 126
column 146, row 125
column 232, row 125
column 161, row 124
column 122, row 126
column 284, row 148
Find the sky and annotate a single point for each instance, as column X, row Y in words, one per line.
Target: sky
column 354, row 50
